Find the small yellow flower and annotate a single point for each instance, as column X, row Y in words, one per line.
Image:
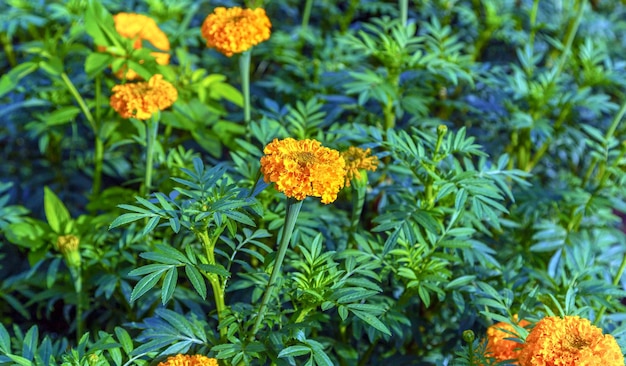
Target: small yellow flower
column 569, row 341
column 235, row 30
column 141, row 28
column 187, row 360
column 68, row 246
column 141, row 100
column 303, row 168
column 498, row 346
column 356, row 160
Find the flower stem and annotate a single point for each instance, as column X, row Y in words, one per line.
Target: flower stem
column 76, row 274
column 244, row 68
column 404, row 11
column 306, row 14
column 152, row 129
column 293, row 209
column 218, row 291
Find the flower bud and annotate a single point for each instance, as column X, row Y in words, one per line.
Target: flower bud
column 68, row 246
column 468, row 336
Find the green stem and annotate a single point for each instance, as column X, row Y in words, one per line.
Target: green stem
column 533, row 24
column 152, row 129
column 306, row 14
column 404, row 11
column 358, row 201
column 616, row 280
column 292, row 211
column 218, row 291
column 76, row 274
column 616, row 122
column 244, row 68
column 8, row 49
column 81, row 102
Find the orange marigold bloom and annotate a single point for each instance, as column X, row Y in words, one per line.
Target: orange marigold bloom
column 235, row 30
column 498, row 346
column 302, row 168
column 569, row 341
column 187, row 360
column 357, row 159
column 141, row 100
column 142, row 28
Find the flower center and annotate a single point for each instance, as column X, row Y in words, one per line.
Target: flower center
column 304, row 157
column 577, row 342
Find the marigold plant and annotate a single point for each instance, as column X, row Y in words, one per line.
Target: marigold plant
column 188, row 360
column 499, row 346
column 235, row 30
column 302, row 168
column 141, row 28
column 141, row 100
column 358, row 159
column 569, row 341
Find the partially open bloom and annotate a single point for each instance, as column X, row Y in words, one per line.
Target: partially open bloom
column 141, row 28
column 68, row 246
column 358, row 159
column 141, row 100
column 498, row 346
column 188, row 360
column 302, row 168
column 235, row 30
column 569, row 341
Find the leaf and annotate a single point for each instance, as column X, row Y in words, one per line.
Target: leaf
column 294, row 351
column 196, row 279
column 62, row 116
column 215, row 268
column 169, row 285
column 371, row 320
column 56, row 212
column 5, row 340
column 96, row 62
column 126, row 219
column 145, row 284
column 124, row 338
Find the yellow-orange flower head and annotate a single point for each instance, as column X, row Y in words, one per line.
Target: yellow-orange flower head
column 187, row 360
column 302, row 168
column 498, row 346
column 235, row 30
column 358, row 159
column 141, row 100
column 140, row 28
column 569, row 341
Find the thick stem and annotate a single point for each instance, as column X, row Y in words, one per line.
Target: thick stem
column 244, row 68
column 404, row 11
column 293, row 209
column 152, row 129
column 76, row 274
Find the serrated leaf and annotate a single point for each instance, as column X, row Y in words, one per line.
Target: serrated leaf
column 294, row 351
column 372, row 321
column 196, row 279
column 124, row 339
column 126, row 219
column 214, row 268
column 169, row 285
column 145, row 284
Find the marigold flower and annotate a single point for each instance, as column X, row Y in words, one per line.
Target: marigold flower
column 569, row 341
column 140, row 28
column 357, row 159
column 498, row 346
column 141, row 100
column 188, row 360
column 302, row 168
column 235, row 30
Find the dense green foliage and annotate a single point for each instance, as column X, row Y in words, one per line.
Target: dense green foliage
column 500, row 190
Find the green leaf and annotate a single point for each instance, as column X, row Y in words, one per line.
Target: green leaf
column 96, row 62
column 169, row 285
column 56, row 212
column 19, row 360
column 145, row 284
column 294, row 351
column 371, row 320
column 124, row 338
column 127, row 218
column 5, row 340
column 62, row 116
column 215, row 268
column 196, row 279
